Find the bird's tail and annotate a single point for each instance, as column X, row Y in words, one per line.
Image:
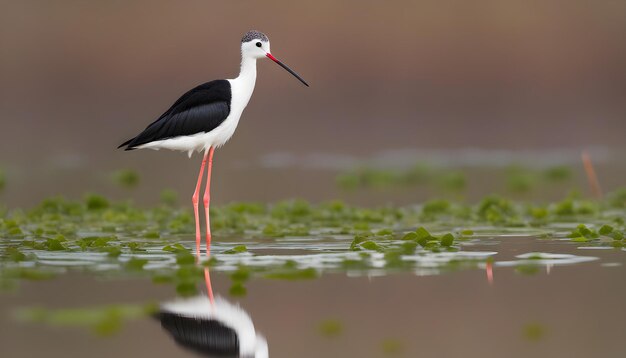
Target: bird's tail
column 125, row 144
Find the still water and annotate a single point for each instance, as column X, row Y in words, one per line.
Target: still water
column 513, row 294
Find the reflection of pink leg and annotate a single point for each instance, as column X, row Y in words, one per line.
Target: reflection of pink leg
column 489, row 269
column 207, row 280
column 194, row 200
column 207, row 199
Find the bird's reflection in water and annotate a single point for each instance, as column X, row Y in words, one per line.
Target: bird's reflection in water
column 212, row 327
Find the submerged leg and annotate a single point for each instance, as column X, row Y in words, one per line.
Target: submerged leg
column 207, row 200
column 194, row 200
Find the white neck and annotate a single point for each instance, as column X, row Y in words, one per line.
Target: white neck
column 247, row 73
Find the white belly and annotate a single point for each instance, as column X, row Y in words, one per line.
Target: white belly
column 241, row 91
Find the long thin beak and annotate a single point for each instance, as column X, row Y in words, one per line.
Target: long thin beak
column 271, row 57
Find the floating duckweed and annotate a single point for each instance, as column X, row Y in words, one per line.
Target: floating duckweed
column 330, row 328
column 605, row 230
column 558, row 173
column 528, row 269
column 520, row 180
column 371, row 245
column 3, row 180
column 293, row 274
column 126, row 178
column 410, row 236
column 447, row 240
column 185, row 258
column 152, row 235
column 617, row 235
column 241, row 275
column 169, row 197
column 236, row 250
column 13, row 254
column 496, row 210
column 136, row 264
column 96, row 202
column 238, row 289
column 392, row 346
column 105, row 320
column 533, row 331
column 582, row 233
column 452, row 181
column 186, row 288
column 175, row 248
column 28, row 273
column 384, row 232
column 617, row 199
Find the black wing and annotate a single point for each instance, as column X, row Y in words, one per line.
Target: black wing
column 200, row 110
column 205, row 336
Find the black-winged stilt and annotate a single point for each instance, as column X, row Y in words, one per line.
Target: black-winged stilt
column 206, row 117
column 212, row 327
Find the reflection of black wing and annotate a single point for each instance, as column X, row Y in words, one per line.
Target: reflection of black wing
column 205, row 336
column 199, row 110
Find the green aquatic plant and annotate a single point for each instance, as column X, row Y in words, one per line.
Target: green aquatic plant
column 617, row 198
column 126, row 178
column 558, row 173
column 520, row 179
column 533, row 331
column 102, row 320
column 169, row 197
column 330, row 328
column 3, row 180
column 391, row 346
column 237, row 250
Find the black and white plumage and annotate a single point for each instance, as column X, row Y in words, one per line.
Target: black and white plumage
column 207, row 115
column 200, row 110
column 218, row 329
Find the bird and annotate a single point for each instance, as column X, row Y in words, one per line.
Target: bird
column 212, row 327
column 205, row 118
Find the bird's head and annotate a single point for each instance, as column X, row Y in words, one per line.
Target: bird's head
column 255, row 44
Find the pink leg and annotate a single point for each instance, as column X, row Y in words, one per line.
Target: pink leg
column 207, row 280
column 206, row 200
column 489, row 269
column 194, row 200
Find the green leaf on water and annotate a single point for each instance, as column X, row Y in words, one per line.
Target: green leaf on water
column 533, row 331
column 293, row 274
column 185, row 258
column 236, row 250
column 410, row 236
column 238, row 289
column 617, row 235
column 392, row 346
column 605, row 230
column 126, row 178
column 169, row 197
column 186, row 288
column 96, row 202
column 330, row 328
column 55, row 245
column 371, row 245
column 447, row 240
column 136, row 264
column 241, row 275
column 422, row 233
column 176, row 248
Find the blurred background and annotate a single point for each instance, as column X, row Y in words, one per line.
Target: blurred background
column 451, row 85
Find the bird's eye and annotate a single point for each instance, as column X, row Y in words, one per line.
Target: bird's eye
column 258, row 44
